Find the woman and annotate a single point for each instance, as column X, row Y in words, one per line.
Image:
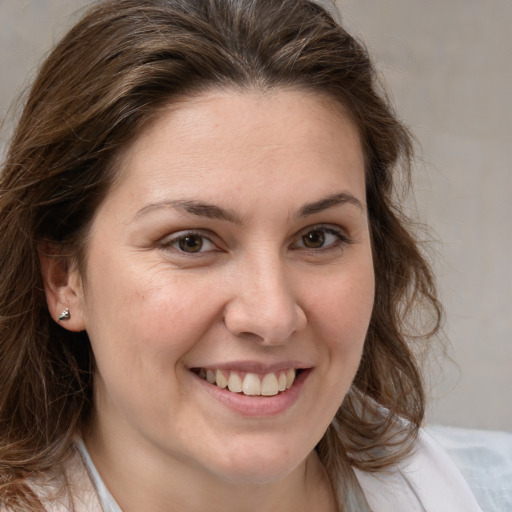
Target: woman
column 206, row 278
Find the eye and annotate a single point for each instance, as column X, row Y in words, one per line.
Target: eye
column 190, row 243
column 314, row 239
column 321, row 237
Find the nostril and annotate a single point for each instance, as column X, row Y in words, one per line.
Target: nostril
column 250, row 336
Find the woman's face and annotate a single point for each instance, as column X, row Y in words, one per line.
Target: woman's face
column 234, row 249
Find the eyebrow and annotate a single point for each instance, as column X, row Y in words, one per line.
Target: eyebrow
column 199, row 208
column 212, row 211
column 329, row 202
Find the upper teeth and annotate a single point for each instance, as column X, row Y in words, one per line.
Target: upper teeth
column 252, row 384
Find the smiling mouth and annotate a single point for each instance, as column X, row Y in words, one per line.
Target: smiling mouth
column 248, row 383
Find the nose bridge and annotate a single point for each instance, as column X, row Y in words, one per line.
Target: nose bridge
column 264, row 304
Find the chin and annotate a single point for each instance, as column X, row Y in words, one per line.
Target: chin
column 259, row 465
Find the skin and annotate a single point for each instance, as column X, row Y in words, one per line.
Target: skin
column 257, row 292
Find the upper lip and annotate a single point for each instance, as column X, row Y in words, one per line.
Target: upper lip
column 255, row 366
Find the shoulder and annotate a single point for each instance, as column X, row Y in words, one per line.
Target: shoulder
column 427, row 480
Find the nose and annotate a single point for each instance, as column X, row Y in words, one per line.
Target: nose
column 263, row 306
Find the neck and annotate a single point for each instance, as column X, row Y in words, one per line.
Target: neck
column 142, row 481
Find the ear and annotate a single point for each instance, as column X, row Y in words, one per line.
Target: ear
column 63, row 286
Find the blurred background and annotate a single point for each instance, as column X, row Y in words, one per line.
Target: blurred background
column 448, row 67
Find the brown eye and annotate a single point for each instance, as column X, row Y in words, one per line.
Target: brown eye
column 321, row 239
column 190, row 243
column 314, row 239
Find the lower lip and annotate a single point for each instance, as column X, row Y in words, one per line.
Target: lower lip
column 256, row 405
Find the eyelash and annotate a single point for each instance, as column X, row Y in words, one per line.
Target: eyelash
column 341, row 239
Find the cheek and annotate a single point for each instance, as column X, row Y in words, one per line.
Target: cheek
column 341, row 316
column 343, row 305
column 141, row 316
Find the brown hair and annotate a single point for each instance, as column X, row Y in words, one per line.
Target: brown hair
column 109, row 75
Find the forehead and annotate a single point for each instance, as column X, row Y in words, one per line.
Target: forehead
column 221, row 138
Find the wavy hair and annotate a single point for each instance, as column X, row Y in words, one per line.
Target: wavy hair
column 112, row 73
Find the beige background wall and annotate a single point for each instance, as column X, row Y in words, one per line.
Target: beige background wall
column 449, row 66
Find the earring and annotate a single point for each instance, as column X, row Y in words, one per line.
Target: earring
column 65, row 315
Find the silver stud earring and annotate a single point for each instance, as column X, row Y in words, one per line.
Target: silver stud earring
column 65, row 315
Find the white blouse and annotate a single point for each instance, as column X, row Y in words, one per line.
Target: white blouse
column 428, row 481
